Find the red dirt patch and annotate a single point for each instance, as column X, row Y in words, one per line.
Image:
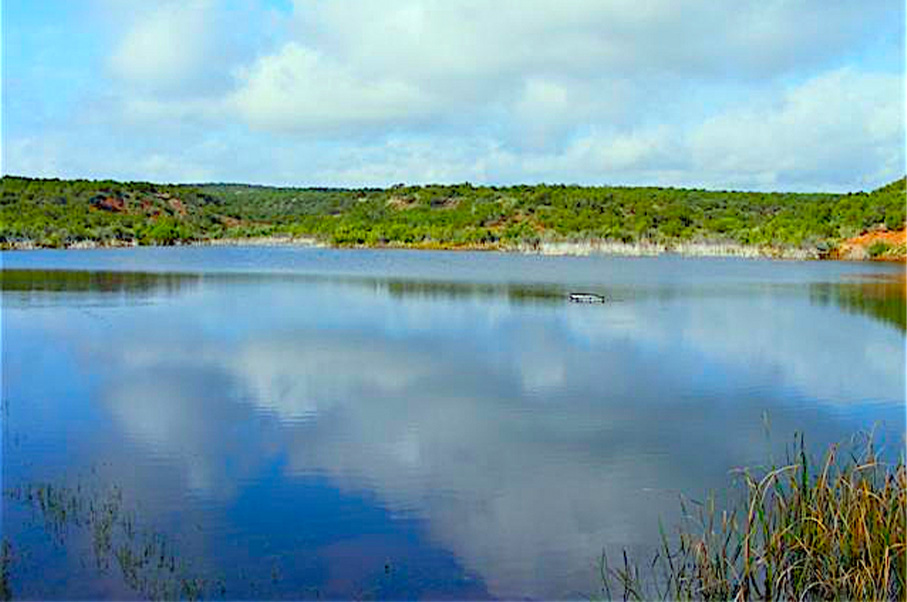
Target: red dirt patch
column 113, row 204
column 858, row 246
column 178, row 206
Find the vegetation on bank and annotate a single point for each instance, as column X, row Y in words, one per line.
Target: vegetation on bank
column 62, row 213
column 833, row 530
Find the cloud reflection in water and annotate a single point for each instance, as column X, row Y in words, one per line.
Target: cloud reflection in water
column 525, row 436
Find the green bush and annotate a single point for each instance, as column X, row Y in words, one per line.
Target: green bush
column 166, row 231
column 878, row 248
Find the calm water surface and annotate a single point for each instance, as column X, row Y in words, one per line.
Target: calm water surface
column 296, row 423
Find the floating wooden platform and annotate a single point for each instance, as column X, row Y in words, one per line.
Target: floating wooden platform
column 586, row 298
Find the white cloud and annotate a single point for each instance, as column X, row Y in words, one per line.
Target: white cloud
column 173, row 50
column 437, row 39
column 361, row 92
column 32, row 155
column 835, row 131
column 840, row 130
column 298, row 89
column 829, row 130
column 391, row 63
column 166, row 47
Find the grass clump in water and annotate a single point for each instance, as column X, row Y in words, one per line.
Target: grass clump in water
column 6, row 560
column 830, row 530
column 147, row 559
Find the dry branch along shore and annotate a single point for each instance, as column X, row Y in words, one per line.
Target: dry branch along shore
column 547, row 219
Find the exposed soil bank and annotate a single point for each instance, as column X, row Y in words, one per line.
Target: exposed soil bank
column 879, row 245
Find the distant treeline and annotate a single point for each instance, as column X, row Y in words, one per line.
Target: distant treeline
column 61, row 213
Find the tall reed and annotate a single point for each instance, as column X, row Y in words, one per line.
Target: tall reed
column 829, row 530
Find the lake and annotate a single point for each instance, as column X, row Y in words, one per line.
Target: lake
column 275, row 422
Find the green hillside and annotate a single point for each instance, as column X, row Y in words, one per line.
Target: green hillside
column 59, row 213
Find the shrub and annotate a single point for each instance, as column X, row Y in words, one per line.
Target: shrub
column 878, row 248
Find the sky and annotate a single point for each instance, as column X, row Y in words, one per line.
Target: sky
column 752, row 94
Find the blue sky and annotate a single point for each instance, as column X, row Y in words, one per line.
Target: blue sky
column 761, row 95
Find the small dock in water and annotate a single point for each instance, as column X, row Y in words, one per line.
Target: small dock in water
column 587, row 298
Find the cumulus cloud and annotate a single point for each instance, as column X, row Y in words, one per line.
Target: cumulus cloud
column 751, row 94
column 299, row 89
column 176, row 50
column 434, row 40
column 829, row 132
column 167, row 47
column 841, row 130
column 430, row 56
column 830, row 127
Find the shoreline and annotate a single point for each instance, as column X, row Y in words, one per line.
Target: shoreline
column 556, row 249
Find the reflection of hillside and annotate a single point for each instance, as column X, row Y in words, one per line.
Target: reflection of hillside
column 144, row 283
column 514, row 293
column 69, row 281
column 884, row 300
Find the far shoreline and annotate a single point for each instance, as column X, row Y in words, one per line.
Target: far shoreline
column 605, row 248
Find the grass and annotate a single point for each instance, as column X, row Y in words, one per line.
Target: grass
column 146, row 559
column 829, row 530
column 6, row 561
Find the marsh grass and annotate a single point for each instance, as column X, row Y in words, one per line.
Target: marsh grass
column 147, row 560
column 828, row 530
column 6, row 560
